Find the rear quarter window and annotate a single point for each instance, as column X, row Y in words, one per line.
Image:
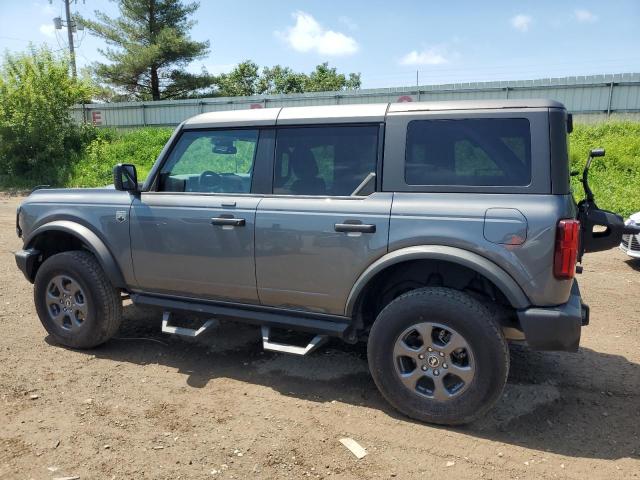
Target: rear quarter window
column 469, row 152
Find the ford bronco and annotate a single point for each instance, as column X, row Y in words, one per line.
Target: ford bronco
column 435, row 232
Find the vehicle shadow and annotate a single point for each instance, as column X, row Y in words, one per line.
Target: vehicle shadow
column 633, row 263
column 584, row 404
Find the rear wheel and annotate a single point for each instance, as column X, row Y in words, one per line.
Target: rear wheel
column 75, row 301
column 438, row 355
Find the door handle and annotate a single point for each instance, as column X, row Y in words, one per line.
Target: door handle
column 234, row 222
column 355, row 227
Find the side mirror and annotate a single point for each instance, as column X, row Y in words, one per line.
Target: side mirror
column 597, row 152
column 125, row 177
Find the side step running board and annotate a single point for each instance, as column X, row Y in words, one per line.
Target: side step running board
column 267, row 344
column 185, row 332
column 323, row 324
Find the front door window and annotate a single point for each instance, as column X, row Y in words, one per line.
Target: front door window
column 213, row 161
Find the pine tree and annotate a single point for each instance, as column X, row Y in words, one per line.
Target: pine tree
column 148, row 47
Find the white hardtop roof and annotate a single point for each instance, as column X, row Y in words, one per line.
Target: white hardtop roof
column 358, row 113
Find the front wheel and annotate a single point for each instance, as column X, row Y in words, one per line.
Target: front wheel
column 438, row 355
column 75, row 301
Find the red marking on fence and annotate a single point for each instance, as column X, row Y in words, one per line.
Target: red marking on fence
column 256, row 105
column 405, row 98
column 96, row 117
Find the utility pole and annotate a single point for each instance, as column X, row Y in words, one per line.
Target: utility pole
column 70, row 28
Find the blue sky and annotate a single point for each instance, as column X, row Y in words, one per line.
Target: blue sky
column 385, row 41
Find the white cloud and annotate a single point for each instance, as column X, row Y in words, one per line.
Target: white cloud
column 308, row 35
column 48, row 30
column 428, row 56
column 348, row 22
column 585, row 16
column 521, row 22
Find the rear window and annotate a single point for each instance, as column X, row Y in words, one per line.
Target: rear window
column 469, row 152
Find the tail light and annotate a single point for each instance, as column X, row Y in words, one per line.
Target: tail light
column 566, row 252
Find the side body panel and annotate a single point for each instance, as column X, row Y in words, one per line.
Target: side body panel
column 458, row 220
column 177, row 250
column 303, row 262
column 105, row 212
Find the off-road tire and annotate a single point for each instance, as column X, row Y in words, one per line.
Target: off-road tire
column 103, row 301
column 469, row 318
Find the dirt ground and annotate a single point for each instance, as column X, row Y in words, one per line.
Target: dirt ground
column 147, row 405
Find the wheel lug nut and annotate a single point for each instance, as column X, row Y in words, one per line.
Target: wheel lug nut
column 442, row 354
column 430, row 349
column 424, row 368
column 444, row 365
column 436, row 372
column 421, row 357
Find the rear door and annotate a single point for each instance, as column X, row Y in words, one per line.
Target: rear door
column 313, row 238
column 193, row 235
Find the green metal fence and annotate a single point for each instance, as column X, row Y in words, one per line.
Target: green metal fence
column 591, row 99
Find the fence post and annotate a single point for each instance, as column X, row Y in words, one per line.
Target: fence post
column 144, row 115
column 610, row 99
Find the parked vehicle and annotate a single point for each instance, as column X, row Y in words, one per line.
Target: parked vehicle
column 631, row 242
column 435, row 232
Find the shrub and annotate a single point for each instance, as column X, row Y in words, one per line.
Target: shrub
column 37, row 133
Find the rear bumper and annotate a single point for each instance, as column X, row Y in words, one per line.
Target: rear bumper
column 26, row 261
column 555, row 328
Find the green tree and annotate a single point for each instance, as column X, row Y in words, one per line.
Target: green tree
column 247, row 79
column 37, row 133
column 281, row 80
column 326, row 79
column 148, row 48
column 241, row 81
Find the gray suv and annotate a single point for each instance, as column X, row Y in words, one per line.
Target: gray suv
column 435, row 232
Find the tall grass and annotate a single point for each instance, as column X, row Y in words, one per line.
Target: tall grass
column 140, row 147
column 614, row 179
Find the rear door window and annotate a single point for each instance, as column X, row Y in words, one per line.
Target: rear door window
column 469, row 152
column 324, row 161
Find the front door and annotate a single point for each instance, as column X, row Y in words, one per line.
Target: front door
column 313, row 238
column 193, row 235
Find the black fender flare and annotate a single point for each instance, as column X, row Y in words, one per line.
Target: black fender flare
column 501, row 279
column 88, row 238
